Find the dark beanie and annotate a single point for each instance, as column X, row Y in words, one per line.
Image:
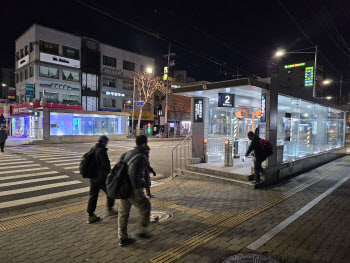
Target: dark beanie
column 141, row 139
column 103, row 138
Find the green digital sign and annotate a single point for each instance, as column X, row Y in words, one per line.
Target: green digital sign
column 309, row 76
column 295, row 65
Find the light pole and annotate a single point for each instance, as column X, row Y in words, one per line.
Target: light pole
column 280, row 53
column 7, row 103
column 341, row 82
column 149, row 70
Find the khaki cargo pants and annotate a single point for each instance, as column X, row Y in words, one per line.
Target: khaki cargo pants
column 139, row 200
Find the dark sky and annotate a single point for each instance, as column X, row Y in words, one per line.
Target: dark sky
column 244, row 33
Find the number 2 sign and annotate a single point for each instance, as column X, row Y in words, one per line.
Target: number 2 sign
column 226, row 100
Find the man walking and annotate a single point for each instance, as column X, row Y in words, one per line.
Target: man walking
column 259, row 154
column 3, row 137
column 97, row 183
column 136, row 160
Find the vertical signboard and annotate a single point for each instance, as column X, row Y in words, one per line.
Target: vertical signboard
column 30, row 90
column 263, row 107
column 309, row 76
column 198, row 110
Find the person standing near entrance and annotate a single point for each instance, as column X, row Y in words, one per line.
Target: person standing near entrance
column 259, row 154
column 136, row 160
column 3, row 137
column 98, row 182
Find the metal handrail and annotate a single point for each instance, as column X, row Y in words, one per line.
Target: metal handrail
column 172, row 154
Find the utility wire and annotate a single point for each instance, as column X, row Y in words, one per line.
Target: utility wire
column 306, row 36
column 165, row 38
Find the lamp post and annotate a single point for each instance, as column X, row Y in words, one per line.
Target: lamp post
column 281, row 53
column 149, row 70
column 341, row 82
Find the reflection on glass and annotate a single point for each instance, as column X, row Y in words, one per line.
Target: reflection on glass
column 86, row 124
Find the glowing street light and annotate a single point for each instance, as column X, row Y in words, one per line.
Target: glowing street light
column 280, row 53
column 149, row 70
column 3, row 84
column 326, row 82
column 329, row 97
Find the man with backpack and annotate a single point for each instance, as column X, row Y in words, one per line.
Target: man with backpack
column 3, row 137
column 99, row 168
column 136, row 165
column 262, row 149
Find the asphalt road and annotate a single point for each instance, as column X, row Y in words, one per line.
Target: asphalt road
column 36, row 175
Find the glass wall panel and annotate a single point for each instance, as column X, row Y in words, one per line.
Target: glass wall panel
column 86, row 124
column 306, row 128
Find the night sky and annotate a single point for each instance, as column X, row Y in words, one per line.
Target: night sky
column 245, row 34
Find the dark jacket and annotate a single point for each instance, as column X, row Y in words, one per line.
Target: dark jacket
column 3, row 136
column 256, row 146
column 136, row 168
column 103, row 165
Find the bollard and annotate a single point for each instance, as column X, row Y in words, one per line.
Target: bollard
column 205, row 156
column 228, row 153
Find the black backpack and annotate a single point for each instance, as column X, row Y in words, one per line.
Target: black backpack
column 87, row 165
column 118, row 184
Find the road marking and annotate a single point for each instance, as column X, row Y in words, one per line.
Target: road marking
column 20, row 166
column 63, row 164
column 62, row 161
column 34, row 180
column 72, row 167
column 8, row 163
column 27, row 175
column 37, row 188
column 63, row 157
column 277, row 229
column 76, row 172
column 12, row 158
column 43, row 198
column 54, row 154
column 25, row 170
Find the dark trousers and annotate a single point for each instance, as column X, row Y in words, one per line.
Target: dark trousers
column 94, row 191
column 258, row 169
column 2, row 146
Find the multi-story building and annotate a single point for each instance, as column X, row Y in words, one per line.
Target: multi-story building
column 71, row 70
column 7, row 84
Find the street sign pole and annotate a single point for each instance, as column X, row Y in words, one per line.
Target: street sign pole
column 133, row 111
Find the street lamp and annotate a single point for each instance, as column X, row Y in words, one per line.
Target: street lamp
column 149, row 70
column 282, row 52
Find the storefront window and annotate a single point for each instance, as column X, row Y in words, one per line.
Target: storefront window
column 86, row 124
column 306, row 128
column 48, row 72
column 109, row 82
column 50, row 97
column 71, row 99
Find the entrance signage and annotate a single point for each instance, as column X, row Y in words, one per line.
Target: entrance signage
column 263, row 108
column 59, row 60
column 23, row 61
column 226, row 100
column 198, row 110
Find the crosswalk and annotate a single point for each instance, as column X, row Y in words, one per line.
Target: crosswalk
column 25, row 179
column 38, row 174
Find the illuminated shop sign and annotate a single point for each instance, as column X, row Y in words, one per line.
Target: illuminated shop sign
column 59, row 60
column 175, row 86
column 226, row 100
column 309, row 76
column 23, row 61
column 116, row 94
column 30, row 90
column 263, row 108
column 58, row 86
column 294, row 65
column 198, row 110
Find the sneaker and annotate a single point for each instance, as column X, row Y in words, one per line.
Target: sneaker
column 144, row 235
column 93, row 219
column 125, row 241
column 149, row 196
column 112, row 212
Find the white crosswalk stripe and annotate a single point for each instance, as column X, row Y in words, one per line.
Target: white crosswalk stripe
column 72, row 167
column 37, row 188
column 9, row 163
column 25, row 170
column 20, row 166
column 3, row 178
column 64, row 164
column 60, row 161
column 34, row 180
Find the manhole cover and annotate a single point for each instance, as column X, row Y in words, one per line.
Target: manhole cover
column 249, row 258
column 160, row 216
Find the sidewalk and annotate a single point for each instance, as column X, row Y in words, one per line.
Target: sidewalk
column 210, row 222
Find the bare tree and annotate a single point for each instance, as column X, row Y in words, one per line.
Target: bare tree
column 146, row 86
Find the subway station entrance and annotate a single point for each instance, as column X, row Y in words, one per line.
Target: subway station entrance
column 305, row 131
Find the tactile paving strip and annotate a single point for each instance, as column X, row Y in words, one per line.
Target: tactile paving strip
column 227, row 223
